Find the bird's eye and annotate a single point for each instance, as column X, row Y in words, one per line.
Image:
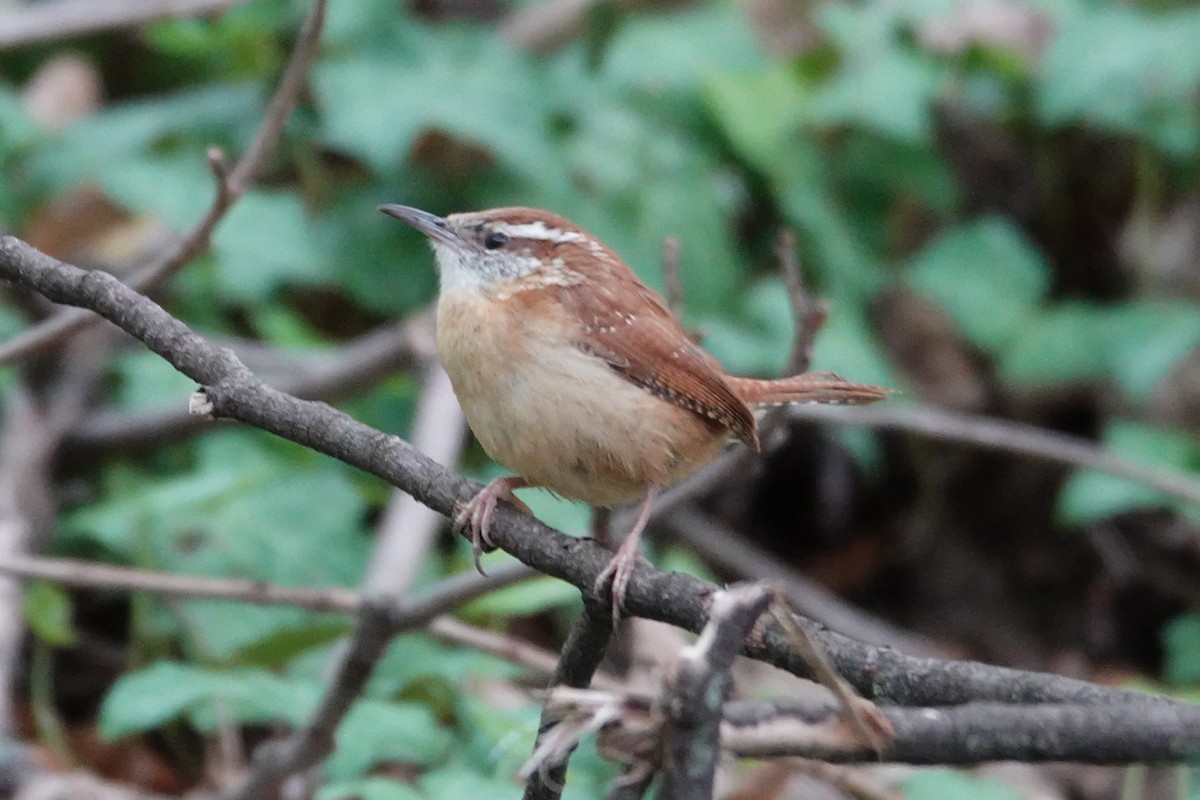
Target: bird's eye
column 495, row 240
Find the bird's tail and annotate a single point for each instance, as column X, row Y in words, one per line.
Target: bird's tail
column 808, row 387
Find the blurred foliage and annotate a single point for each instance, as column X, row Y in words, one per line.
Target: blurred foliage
column 938, row 784
column 672, row 123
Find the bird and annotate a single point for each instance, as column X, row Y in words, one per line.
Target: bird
column 575, row 375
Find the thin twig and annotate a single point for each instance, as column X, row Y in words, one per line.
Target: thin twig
column 25, row 504
column 694, row 700
column 862, row 715
column 1004, row 436
column 581, row 656
column 407, row 528
column 378, row 622
column 405, row 536
column 853, row 782
column 353, row 366
column 380, row 618
column 736, row 554
column 231, row 184
column 537, row 660
column 454, row 592
column 89, row 575
column 33, row 422
column 966, row 734
column 672, row 280
column 632, row 784
column 808, row 314
column 314, row 741
column 971, row 733
column 38, row 23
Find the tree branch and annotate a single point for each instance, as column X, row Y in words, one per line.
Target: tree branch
column 808, row 313
column 581, row 656
column 1004, row 436
column 672, row 279
column 681, row 600
column 406, row 534
column 407, row 528
column 84, row 574
column 39, row 23
column 696, row 697
column 967, row 734
column 452, row 593
column 735, row 554
column 313, row 742
column 350, row 367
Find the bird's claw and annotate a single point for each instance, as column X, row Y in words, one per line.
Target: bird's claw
column 476, row 516
column 615, row 579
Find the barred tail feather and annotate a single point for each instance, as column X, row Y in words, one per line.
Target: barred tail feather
column 809, row 387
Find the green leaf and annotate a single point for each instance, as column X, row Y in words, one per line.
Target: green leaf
column 1129, row 69
column 415, row 657
column 761, row 347
column 1181, row 642
column 757, row 341
column 1148, row 340
column 462, row 82
column 18, row 131
column 1067, row 342
column 889, row 92
column 368, row 788
column 1091, row 494
column 176, row 188
column 48, row 611
column 498, row 740
column 11, row 323
column 461, row 781
column 664, row 54
column 756, row 110
column 744, row 349
column 249, row 508
column 278, row 648
column 941, row 784
column 236, row 44
column 254, row 696
column 144, row 380
column 164, row 691
column 382, row 265
column 648, row 179
column 124, row 134
column 266, row 242
column 986, row 275
column 683, row 559
column 524, row 599
column 1138, row 343
column 145, row 699
column 376, row 732
column 847, row 346
column 566, row 515
column 831, row 246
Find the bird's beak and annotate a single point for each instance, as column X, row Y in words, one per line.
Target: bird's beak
column 431, row 225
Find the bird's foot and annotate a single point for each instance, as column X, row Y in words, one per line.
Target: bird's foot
column 619, row 571
column 476, row 514
column 615, row 577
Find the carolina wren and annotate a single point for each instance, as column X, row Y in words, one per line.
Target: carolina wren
column 575, row 375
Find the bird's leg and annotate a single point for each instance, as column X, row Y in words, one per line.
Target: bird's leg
column 620, row 568
column 476, row 514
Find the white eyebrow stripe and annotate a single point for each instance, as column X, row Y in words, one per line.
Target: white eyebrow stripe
column 538, row 230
